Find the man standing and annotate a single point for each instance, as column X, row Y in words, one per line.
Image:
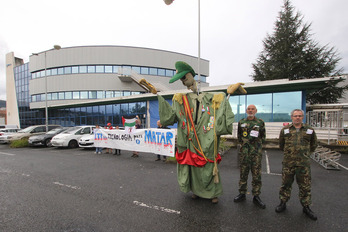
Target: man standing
column 251, row 136
column 297, row 140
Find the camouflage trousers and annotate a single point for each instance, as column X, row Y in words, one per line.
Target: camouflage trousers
column 250, row 162
column 303, row 179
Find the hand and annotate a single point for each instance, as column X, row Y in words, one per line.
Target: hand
column 236, row 88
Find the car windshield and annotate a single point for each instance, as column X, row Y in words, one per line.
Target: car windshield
column 72, row 130
column 27, row 130
column 54, row 131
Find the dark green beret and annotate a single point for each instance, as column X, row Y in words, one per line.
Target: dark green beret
column 182, row 69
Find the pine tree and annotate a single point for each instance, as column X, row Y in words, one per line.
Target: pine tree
column 291, row 54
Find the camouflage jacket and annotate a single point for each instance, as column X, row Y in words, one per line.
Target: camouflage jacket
column 297, row 146
column 251, row 135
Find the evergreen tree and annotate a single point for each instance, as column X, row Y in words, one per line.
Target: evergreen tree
column 291, row 54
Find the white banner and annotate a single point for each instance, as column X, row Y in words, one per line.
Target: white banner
column 158, row 141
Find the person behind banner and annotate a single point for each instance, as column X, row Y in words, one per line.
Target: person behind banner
column 137, row 126
column 159, row 126
column 109, row 150
column 202, row 118
column 117, row 151
column 98, row 150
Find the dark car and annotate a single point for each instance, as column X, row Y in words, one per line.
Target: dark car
column 45, row 139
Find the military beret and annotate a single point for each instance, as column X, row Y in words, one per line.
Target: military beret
column 182, row 69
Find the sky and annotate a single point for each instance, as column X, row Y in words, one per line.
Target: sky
column 231, row 31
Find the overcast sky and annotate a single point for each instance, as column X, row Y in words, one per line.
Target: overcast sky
column 231, row 31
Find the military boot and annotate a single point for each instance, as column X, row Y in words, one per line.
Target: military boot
column 257, row 201
column 239, row 198
column 281, row 207
column 309, row 213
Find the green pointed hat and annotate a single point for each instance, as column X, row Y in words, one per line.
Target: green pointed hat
column 182, row 69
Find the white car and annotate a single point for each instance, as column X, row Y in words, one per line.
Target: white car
column 4, row 133
column 71, row 136
column 87, row 141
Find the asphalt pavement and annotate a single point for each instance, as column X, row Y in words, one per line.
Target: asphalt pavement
column 75, row 190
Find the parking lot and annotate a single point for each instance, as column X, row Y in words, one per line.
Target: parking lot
column 58, row 189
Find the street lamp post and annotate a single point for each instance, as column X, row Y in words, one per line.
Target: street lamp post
column 168, row 2
column 55, row 47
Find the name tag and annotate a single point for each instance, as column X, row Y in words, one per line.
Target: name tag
column 309, row 132
column 286, row 131
column 254, row 133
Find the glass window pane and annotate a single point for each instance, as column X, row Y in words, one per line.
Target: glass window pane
column 100, row 94
column 68, row 95
column 91, row 69
column 117, row 93
column 54, row 96
column 75, row 69
column 61, row 96
column 84, row 95
column 126, row 93
column 238, row 106
column 49, row 96
column 92, row 94
column 42, row 73
column 108, row 69
column 153, row 71
column 161, row 72
column 282, row 105
column 54, row 71
column 137, row 69
column 115, row 69
column 99, row 69
column 83, row 69
column 76, row 95
column 169, row 73
column 60, row 71
column 144, row 70
column 67, row 70
column 48, row 72
column 263, row 103
column 109, row 94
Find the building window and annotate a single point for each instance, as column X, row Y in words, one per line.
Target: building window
column 91, row 69
column 83, row 69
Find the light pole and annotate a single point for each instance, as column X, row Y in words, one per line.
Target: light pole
column 168, row 2
column 55, row 47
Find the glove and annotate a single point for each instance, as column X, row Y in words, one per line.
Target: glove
column 236, row 88
column 148, row 86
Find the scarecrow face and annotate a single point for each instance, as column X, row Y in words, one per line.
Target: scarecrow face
column 189, row 82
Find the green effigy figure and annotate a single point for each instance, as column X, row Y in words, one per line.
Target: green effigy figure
column 201, row 118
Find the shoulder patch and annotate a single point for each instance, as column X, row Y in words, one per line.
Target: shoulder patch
column 178, row 98
column 217, row 99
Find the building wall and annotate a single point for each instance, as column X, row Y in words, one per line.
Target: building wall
column 11, row 97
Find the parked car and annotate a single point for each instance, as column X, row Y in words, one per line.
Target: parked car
column 4, row 133
column 71, row 136
column 45, row 139
column 87, row 141
column 31, row 130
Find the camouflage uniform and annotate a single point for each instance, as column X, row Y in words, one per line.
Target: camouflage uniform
column 251, row 135
column 297, row 146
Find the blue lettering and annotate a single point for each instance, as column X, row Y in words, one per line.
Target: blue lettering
column 169, row 136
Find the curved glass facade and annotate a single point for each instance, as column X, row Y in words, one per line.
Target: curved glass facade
column 82, row 69
column 272, row 107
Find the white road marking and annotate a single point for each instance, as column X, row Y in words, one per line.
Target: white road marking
column 4, row 153
column 156, row 207
column 66, row 185
column 267, row 163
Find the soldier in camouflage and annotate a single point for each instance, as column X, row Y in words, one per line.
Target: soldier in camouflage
column 251, row 136
column 297, row 140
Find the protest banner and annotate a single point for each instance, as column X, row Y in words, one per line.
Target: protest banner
column 158, row 141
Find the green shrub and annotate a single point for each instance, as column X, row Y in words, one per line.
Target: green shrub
column 19, row 143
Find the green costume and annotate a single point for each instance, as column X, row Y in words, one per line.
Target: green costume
column 297, row 145
column 212, row 115
column 251, row 136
